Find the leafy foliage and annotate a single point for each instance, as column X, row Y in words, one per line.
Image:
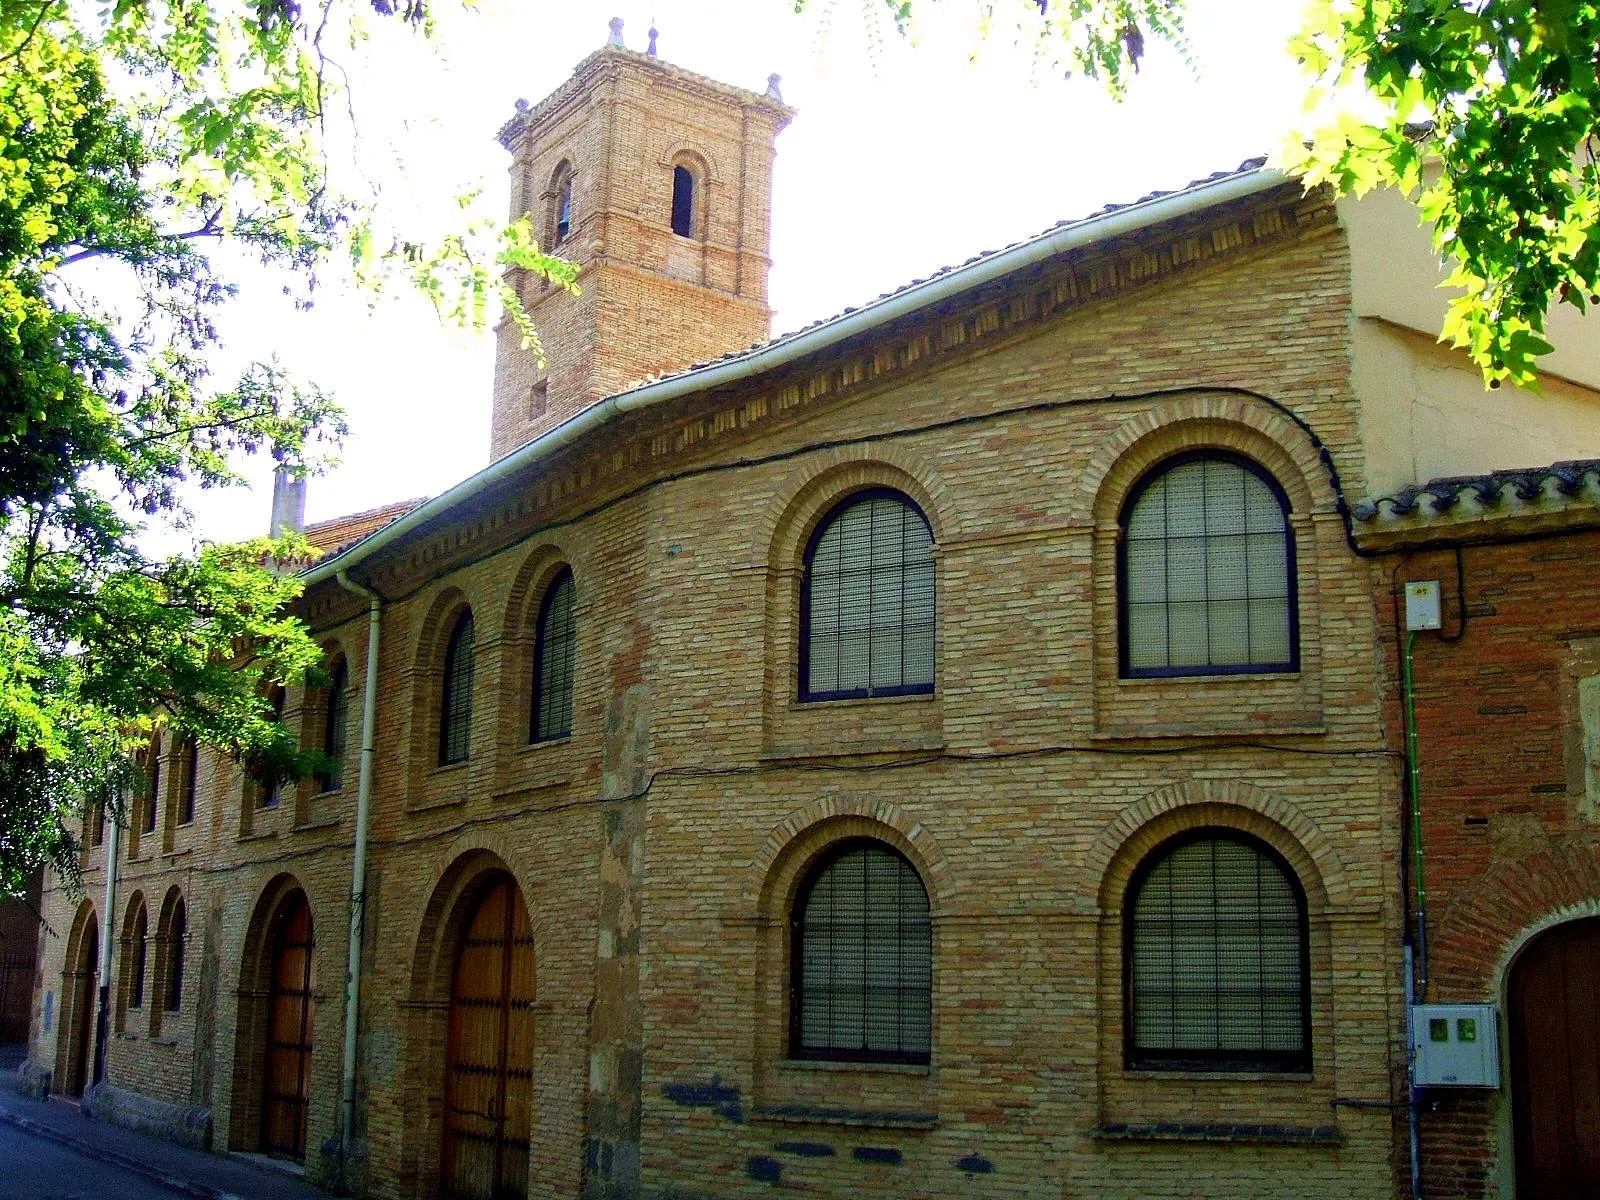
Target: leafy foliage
column 147, row 149
column 1488, row 113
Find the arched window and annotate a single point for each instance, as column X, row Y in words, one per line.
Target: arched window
column 1216, row 958
column 155, row 785
column 683, row 201
column 267, row 795
column 1207, row 570
column 867, row 619
column 561, row 204
column 554, row 657
column 455, row 708
column 138, row 932
column 191, row 775
column 335, row 715
column 863, row 958
column 177, row 936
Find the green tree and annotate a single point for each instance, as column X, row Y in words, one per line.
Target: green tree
column 147, row 150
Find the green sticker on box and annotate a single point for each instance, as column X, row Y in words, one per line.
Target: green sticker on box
column 1466, row 1029
column 1438, row 1029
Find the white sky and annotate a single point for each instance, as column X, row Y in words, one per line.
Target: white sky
column 896, row 164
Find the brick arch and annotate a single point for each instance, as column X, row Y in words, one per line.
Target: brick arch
column 796, row 841
column 539, row 567
column 1479, row 936
column 1144, row 824
column 1204, row 421
column 811, row 491
column 468, row 856
column 692, row 154
column 255, row 982
column 439, row 619
column 78, row 993
column 425, row 1017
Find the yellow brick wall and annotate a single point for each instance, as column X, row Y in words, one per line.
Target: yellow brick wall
column 655, row 847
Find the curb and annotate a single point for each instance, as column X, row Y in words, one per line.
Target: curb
column 187, row 1187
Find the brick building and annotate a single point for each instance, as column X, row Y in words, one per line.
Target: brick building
column 945, row 751
column 1507, row 702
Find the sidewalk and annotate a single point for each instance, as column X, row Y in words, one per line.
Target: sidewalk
column 193, row 1173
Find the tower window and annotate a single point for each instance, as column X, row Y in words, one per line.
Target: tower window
column 683, row 201
column 560, row 214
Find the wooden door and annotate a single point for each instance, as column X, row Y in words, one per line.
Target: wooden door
column 1555, row 1064
column 488, row 1084
column 85, row 996
column 286, row 1074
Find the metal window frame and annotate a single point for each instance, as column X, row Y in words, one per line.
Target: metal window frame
column 1146, row 1058
column 191, row 772
column 541, row 650
column 453, row 712
column 269, row 796
column 806, row 695
column 1291, row 568
column 335, row 735
column 177, row 935
column 813, row 874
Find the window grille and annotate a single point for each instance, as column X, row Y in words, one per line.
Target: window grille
column 455, row 709
column 1208, row 571
column 136, row 951
column 155, row 785
column 867, row 625
column 1217, row 958
column 554, row 660
column 335, row 719
column 177, row 934
column 683, row 201
column 862, row 974
column 191, row 775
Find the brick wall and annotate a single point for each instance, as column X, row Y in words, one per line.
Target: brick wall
column 652, row 846
column 1508, row 798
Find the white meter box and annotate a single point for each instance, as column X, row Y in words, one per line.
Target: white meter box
column 1456, row 1045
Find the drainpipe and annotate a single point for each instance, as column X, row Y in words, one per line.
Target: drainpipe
column 108, row 925
column 358, row 874
column 1414, row 788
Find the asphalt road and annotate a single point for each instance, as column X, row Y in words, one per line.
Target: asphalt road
column 35, row 1168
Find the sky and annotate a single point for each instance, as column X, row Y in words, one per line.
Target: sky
column 902, row 157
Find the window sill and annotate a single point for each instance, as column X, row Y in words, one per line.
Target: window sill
column 258, row 835
column 448, row 768
column 533, row 748
column 314, row 824
column 861, row 1118
column 1271, row 1135
column 863, row 1068
column 798, row 705
column 178, row 852
column 1193, row 1076
column 158, row 1040
column 328, row 794
column 422, row 806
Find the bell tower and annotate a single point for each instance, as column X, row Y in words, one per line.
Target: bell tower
column 658, row 183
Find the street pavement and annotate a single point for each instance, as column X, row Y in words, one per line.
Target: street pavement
column 50, row 1151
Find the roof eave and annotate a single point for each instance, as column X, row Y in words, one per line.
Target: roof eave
column 813, row 340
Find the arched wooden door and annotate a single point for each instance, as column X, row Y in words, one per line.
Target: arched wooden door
column 488, row 1087
column 286, row 1069
column 85, row 995
column 1555, row 1063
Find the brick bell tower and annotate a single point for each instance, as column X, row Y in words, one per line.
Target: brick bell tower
column 658, row 183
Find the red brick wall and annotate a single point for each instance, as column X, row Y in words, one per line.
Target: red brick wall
column 1509, row 830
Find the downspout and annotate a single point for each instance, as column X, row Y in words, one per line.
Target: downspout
column 102, row 1025
column 358, row 873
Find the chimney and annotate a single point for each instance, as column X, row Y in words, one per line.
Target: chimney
column 288, row 503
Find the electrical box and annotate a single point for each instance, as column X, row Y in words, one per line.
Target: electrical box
column 1422, row 605
column 1455, row 1045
